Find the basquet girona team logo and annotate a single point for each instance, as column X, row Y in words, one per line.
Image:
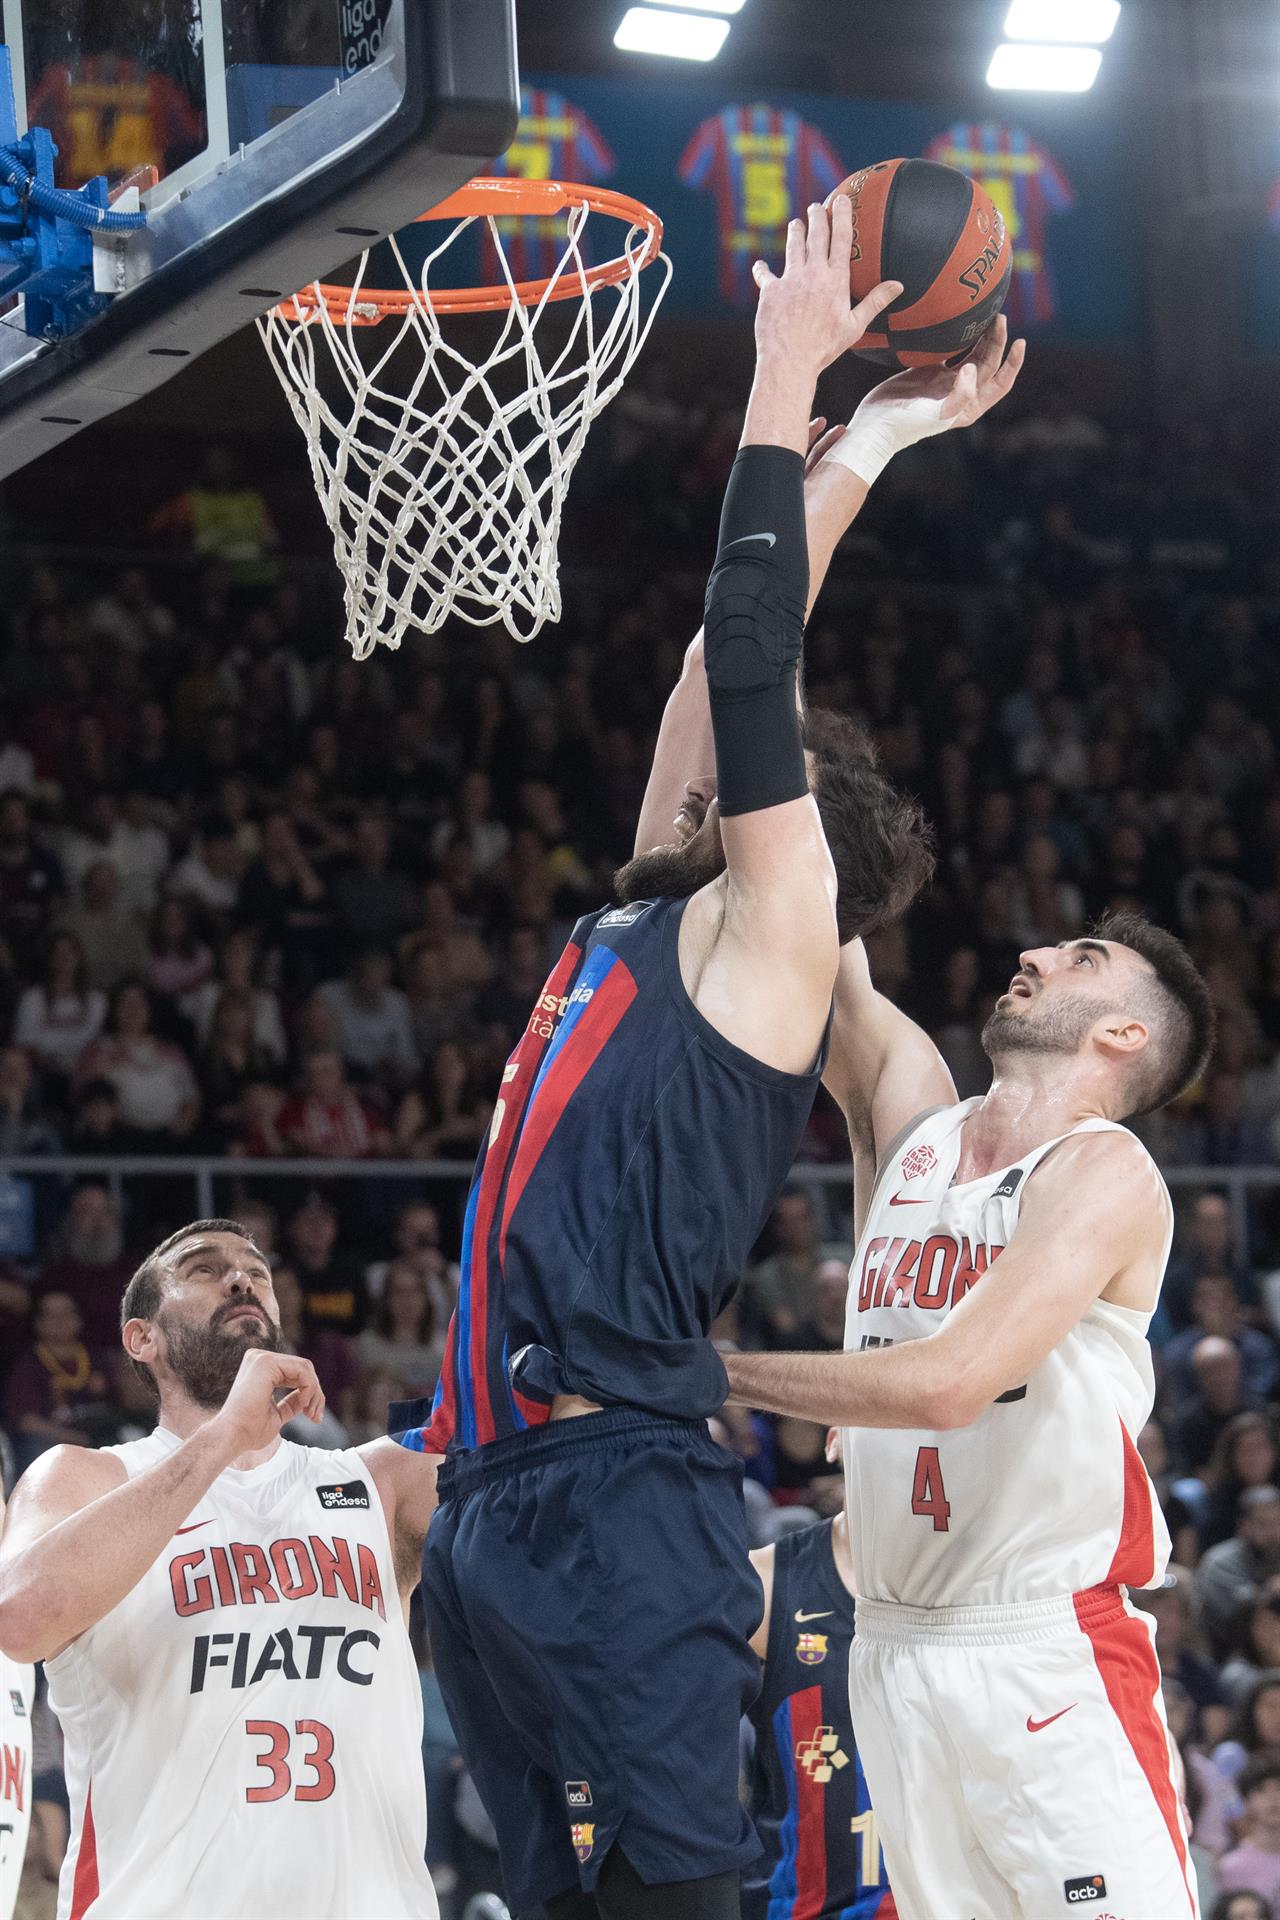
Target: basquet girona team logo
column 919, row 1161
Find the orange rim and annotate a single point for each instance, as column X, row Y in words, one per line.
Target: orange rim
column 508, row 199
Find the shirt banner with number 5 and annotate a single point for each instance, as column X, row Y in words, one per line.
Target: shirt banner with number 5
column 762, row 164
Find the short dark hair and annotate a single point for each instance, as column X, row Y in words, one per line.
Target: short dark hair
column 1180, row 1011
column 145, row 1291
column 880, row 842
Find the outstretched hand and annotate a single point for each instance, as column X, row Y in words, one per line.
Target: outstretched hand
column 924, row 401
column 804, row 312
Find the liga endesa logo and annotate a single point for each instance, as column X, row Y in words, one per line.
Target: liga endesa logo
column 353, row 1493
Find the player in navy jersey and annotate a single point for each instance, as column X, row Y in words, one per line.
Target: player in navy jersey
column 589, row 1596
column 808, row 1792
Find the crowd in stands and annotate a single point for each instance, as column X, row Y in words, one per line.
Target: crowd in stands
column 259, row 902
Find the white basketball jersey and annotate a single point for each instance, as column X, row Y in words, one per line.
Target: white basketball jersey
column 17, row 1690
column 243, row 1732
column 1045, row 1493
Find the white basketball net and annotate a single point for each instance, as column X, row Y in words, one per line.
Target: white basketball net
column 443, row 492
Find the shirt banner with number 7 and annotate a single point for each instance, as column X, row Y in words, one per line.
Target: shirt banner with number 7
column 555, row 140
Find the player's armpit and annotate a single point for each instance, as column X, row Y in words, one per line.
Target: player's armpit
column 1093, row 1224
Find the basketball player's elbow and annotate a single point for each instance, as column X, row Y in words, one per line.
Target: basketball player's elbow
column 954, row 1386
column 24, row 1620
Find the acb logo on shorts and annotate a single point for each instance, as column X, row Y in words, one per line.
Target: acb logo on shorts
column 578, row 1793
column 1091, row 1886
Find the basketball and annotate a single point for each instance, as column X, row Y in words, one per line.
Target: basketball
column 943, row 236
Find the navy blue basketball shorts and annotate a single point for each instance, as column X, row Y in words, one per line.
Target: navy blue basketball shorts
column 590, row 1603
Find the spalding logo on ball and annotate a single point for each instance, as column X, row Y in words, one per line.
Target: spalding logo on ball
column 938, row 232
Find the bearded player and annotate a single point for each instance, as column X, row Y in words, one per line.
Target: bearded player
column 222, row 1617
column 1011, row 1250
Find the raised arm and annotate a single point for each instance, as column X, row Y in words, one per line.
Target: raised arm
column 841, row 468
column 759, row 947
column 1092, row 1226
column 80, row 1535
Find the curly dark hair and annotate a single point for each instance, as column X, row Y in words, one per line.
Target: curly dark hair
column 880, row 841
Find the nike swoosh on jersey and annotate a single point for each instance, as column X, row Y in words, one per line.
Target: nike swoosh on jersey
column 195, row 1524
column 1038, row 1726
column 770, row 538
column 802, row 1617
column 901, row 1200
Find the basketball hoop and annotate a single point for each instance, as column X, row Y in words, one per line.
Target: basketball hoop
column 443, row 482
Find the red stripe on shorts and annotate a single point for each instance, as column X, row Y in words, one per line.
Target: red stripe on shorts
column 1130, row 1673
column 84, row 1888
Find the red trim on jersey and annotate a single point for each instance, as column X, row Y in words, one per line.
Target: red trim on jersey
column 526, row 1058
column 84, row 1888
column 1134, row 1562
column 811, row 1811
column 564, row 1076
column 1130, row 1672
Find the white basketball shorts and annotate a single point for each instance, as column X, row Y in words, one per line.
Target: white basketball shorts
column 1019, row 1761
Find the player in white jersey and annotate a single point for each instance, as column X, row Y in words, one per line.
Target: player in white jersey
column 17, row 1690
column 223, row 1617
column 1010, row 1256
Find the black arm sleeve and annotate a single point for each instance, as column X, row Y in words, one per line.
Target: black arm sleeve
column 754, row 630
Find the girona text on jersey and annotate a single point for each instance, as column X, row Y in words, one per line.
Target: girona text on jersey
column 246, row 1573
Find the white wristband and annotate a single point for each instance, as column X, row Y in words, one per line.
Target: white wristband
column 865, row 449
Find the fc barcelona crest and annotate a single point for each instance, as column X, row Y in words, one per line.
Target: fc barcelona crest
column 584, row 1840
column 811, row 1649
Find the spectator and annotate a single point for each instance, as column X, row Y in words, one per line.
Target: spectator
column 1181, row 1652
column 332, row 1282
column 1257, row 1643
column 1255, row 1864
column 1216, row 1310
column 373, row 1025
column 24, row 1128
column 159, row 1096
column 54, row 1382
column 237, row 972
column 472, row 824
column 1233, row 1574
column 209, row 874
column 59, row 1016
column 445, row 1116
column 1246, row 1455
column 179, row 962
column 417, row 1244
column 1219, row 1395
column 374, row 900
column 1206, row 1247
column 1255, row 1729
column 1241, row 1906
column 437, row 1009
column 404, row 1337
column 283, row 896
column 31, row 882
column 778, row 1292
column 86, row 1260
column 822, row 1330
column 1178, row 1516
column 96, row 1123
column 106, row 928
column 326, row 1119
column 230, row 1062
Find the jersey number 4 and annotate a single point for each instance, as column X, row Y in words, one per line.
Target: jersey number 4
column 275, row 1760
column 928, row 1495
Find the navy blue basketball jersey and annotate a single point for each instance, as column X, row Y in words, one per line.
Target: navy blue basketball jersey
column 809, row 1798
column 632, row 1161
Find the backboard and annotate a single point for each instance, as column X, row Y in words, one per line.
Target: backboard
column 266, row 141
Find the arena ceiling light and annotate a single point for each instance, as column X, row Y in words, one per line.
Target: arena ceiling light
column 1088, row 22
column 679, row 36
column 712, row 6
column 1043, row 69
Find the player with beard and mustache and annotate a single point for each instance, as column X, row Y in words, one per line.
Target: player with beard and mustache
column 223, row 1618
column 587, row 1587
column 1010, row 1255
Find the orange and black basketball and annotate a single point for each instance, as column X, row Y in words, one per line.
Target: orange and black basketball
column 938, row 232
